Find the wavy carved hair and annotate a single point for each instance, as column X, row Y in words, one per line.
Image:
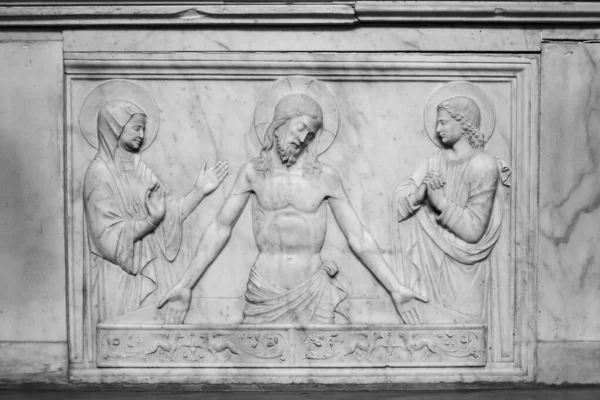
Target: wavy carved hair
column 290, row 106
column 464, row 110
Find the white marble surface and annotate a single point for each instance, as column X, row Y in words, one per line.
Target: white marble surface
column 25, row 362
column 481, row 11
column 33, row 321
column 30, row 13
column 380, row 136
column 363, row 38
column 224, row 14
column 381, row 140
column 562, row 363
column 32, row 279
column 569, row 272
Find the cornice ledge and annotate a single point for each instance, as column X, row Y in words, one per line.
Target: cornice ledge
column 81, row 13
column 86, row 15
column 527, row 12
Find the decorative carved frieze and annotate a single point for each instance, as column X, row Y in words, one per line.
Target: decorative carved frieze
column 273, row 346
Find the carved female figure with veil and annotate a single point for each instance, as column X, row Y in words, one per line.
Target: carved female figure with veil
column 133, row 225
column 447, row 216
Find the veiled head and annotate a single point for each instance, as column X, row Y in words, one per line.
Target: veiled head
column 117, row 117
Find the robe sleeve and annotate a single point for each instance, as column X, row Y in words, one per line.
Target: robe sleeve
column 110, row 232
column 470, row 222
column 404, row 205
column 170, row 231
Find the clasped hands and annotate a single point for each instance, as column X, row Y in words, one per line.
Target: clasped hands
column 432, row 190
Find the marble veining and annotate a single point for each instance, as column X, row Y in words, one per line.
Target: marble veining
column 569, row 275
column 298, row 235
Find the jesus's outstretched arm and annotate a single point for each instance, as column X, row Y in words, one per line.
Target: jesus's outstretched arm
column 176, row 302
column 365, row 247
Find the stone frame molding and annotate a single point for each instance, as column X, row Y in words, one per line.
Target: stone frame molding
column 520, row 71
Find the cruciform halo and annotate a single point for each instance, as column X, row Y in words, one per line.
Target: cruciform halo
column 117, row 89
column 453, row 89
column 263, row 114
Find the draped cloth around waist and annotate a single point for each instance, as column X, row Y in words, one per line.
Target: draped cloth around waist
column 314, row 301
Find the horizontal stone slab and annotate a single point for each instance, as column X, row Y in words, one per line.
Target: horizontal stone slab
column 163, row 13
column 177, row 346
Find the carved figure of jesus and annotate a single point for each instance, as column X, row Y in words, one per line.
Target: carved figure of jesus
column 290, row 282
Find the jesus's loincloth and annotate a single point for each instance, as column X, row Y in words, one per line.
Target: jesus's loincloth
column 314, row 301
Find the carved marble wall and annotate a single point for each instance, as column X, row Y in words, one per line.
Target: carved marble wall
column 207, row 109
column 568, row 277
column 201, row 86
column 33, row 327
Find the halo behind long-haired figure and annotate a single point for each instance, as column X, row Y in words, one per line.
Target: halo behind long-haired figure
column 455, row 91
column 264, row 113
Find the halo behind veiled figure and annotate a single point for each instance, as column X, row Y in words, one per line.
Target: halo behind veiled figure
column 263, row 114
column 453, row 89
column 117, row 89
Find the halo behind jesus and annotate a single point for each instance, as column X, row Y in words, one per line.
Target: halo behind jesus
column 263, row 114
column 117, row 89
column 453, row 89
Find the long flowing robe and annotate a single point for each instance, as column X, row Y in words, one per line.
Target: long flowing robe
column 446, row 256
column 124, row 274
column 314, row 301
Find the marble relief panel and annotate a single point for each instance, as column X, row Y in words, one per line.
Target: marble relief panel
column 231, row 249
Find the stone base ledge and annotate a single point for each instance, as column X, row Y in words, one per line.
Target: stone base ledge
column 28, row 362
column 574, row 362
column 329, row 346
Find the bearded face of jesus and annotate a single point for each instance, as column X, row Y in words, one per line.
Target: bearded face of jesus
column 292, row 133
column 293, row 137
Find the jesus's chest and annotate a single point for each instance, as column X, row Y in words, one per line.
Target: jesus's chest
column 280, row 192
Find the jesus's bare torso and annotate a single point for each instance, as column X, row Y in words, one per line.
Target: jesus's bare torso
column 289, row 218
